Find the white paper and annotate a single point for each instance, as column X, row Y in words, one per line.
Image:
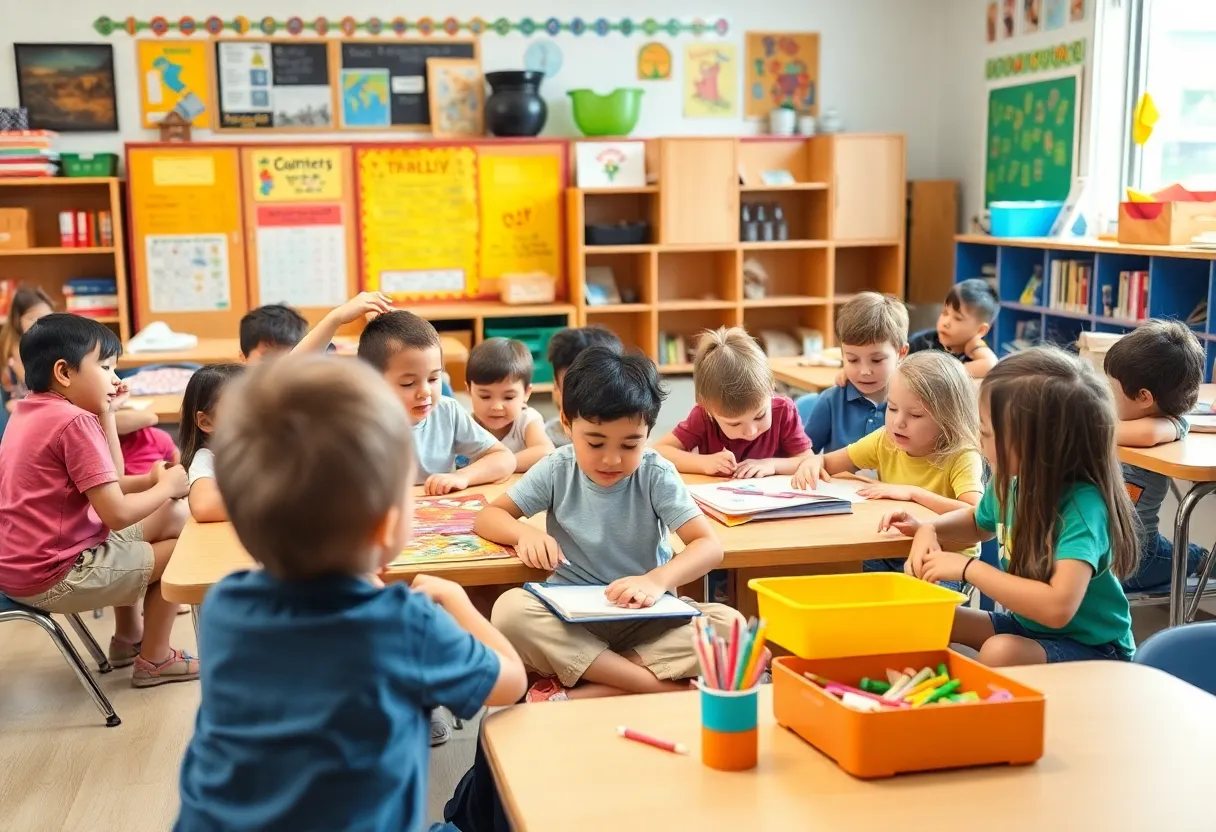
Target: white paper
column 407, row 84
column 246, row 76
column 302, row 106
column 591, row 602
column 302, row 266
column 758, row 495
column 187, row 272
column 610, row 164
column 422, row 282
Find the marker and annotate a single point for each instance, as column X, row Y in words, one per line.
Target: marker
column 646, row 739
column 873, row 685
column 893, row 676
column 944, row 691
column 942, row 671
column 927, row 684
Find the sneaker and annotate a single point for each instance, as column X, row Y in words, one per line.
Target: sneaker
column 441, row 732
column 123, row 653
column 546, row 690
column 179, row 667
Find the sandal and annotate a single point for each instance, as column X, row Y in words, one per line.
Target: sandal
column 179, row 667
column 546, row 690
column 123, row 653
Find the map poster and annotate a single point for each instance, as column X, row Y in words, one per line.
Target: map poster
column 365, row 101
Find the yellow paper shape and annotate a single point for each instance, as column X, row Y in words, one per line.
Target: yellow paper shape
column 1138, row 196
column 1144, row 117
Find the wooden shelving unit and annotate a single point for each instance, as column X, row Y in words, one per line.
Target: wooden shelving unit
column 844, row 211
column 49, row 266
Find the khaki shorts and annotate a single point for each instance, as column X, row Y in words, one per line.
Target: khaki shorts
column 114, row 573
column 552, row 647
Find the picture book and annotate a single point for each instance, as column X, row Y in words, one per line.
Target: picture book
column 443, row 532
column 582, row 604
column 772, row 498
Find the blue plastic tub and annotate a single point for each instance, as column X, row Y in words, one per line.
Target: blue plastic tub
column 1023, row 219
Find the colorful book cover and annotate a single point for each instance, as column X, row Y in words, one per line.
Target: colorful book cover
column 443, row 532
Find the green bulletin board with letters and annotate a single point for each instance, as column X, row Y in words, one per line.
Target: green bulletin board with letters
column 1031, row 141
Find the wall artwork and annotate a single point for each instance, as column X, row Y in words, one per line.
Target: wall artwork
column 67, row 87
column 173, row 79
column 1032, row 16
column 654, row 62
column 1009, row 19
column 711, row 80
column 781, row 68
column 1040, row 60
column 1076, row 11
column 457, row 91
column 1055, row 14
column 994, row 13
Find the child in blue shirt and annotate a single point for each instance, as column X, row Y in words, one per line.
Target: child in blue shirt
column 315, row 707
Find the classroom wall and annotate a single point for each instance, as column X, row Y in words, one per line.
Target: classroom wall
column 880, row 59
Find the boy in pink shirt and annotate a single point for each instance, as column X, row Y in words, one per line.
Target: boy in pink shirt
column 60, row 457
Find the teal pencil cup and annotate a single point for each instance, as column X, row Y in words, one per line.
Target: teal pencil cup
column 729, row 739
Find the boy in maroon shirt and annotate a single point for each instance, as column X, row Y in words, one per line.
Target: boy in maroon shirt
column 60, row 458
column 738, row 428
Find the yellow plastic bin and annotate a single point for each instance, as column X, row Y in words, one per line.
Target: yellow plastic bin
column 874, row 613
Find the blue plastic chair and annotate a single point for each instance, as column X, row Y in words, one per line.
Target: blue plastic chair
column 1188, row 652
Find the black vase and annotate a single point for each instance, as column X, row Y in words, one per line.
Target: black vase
column 515, row 107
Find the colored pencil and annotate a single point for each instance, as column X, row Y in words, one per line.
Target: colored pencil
column 757, row 653
column 637, row 736
column 733, row 654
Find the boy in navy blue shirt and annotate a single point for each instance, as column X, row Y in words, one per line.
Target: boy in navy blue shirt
column 315, row 707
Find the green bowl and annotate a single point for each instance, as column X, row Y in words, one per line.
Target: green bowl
column 614, row 114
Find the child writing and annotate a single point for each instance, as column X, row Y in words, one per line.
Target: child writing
column 1155, row 372
column 28, row 305
column 76, row 534
column 1059, row 511
column 737, row 428
column 610, row 502
column 967, row 315
column 320, row 680
column 928, row 450
column 564, row 348
column 195, row 426
column 499, row 375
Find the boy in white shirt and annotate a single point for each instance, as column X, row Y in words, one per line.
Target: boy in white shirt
column 499, row 374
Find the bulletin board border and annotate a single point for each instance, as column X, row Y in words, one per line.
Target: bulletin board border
column 213, row 72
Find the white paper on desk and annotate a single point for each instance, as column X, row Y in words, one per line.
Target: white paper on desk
column 589, row 602
column 726, row 496
column 1202, row 424
column 137, row 404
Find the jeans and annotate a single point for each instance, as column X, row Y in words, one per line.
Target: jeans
column 1156, row 564
column 1059, row 648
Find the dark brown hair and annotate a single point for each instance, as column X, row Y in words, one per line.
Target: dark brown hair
column 1164, row 358
column 311, row 452
column 273, row 325
column 871, row 318
column 24, row 299
column 390, row 333
column 201, row 396
column 499, row 359
column 1053, row 414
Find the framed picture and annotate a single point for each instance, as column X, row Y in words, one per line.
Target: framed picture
column 610, row 164
column 457, row 96
column 67, row 87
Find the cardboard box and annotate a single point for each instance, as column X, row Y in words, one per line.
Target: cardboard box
column 1165, row 223
column 16, row 229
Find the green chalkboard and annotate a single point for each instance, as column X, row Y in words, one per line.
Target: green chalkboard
column 1031, row 143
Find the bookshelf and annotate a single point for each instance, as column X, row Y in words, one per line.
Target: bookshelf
column 48, row 265
column 1179, row 282
column 843, row 215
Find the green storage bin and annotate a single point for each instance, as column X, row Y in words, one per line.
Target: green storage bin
column 89, row 164
column 536, row 339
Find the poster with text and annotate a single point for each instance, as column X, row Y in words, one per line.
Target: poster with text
column 298, row 174
column 711, row 80
column 520, row 215
column 173, row 78
column 301, row 255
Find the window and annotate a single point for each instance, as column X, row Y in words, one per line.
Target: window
column 1177, row 47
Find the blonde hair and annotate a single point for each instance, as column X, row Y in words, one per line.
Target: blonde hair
column 871, row 318
column 730, row 371
column 948, row 394
column 311, row 453
column 1051, row 412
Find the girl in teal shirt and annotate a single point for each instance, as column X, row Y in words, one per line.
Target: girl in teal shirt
column 1057, row 506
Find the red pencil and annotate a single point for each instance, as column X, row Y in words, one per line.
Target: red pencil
column 673, row 747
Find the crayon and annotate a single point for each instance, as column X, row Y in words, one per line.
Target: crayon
column 999, row 695
column 896, row 686
column 637, row 736
column 732, row 656
column 858, row 703
column 942, row 671
column 893, row 676
column 940, row 693
column 837, row 689
column 757, row 654
column 933, row 682
column 873, row 685
column 915, row 678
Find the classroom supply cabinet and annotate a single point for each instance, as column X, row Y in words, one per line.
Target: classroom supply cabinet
column 868, row 187
column 699, row 202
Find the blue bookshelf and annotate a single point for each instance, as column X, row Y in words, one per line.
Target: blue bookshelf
column 1178, row 280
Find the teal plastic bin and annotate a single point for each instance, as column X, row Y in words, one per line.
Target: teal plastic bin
column 536, row 339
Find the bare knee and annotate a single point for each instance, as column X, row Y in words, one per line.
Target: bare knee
column 1009, row 650
column 162, row 550
column 167, row 522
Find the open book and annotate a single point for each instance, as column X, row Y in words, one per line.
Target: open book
column 584, row 604
column 773, row 498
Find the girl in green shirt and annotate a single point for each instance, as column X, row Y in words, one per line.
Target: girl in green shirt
column 1057, row 506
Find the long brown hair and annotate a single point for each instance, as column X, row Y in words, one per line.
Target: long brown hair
column 24, row 299
column 1051, row 413
column 201, row 396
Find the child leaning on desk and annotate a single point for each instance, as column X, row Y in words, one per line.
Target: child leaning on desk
column 611, row 502
column 737, row 428
column 1058, row 508
column 200, row 404
column 314, row 708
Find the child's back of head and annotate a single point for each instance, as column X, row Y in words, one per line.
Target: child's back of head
column 731, row 373
column 272, row 329
column 1163, row 358
column 199, row 404
column 569, row 344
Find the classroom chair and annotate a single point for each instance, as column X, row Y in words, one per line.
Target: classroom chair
column 1185, row 652
column 10, row 610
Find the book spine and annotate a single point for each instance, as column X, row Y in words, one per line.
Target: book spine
column 82, row 229
column 67, row 229
column 107, row 229
column 1143, row 295
column 1121, row 306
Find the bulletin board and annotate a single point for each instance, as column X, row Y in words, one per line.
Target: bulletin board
column 382, row 85
column 1032, row 138
column 781, row 68
column 173, row 77
column 269, row 84
column 187, row 250
column 444, row 221
column 300, row 226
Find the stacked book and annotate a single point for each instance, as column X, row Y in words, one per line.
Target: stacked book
column 92, row 297
column 1128, row 300
column 1070, row 284
column 672, row 349
column 28, row 153
column 772, row 498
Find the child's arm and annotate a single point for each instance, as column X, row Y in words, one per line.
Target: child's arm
column 921, row 496
column 702, row 553
column 721, row 464
column 536, row 446
column 823, row 467
column 206, row 504
column 1147, row 432
column 983, row 359
column 494, row 465
column 128, row 421
column 785, row 466
column 129, row 483
column 118, row 510
column 323, row 333
column 794, row 446
column 499, row 523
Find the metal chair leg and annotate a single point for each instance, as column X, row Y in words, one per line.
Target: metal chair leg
column 1182, row 539
column 1202, row 573
column 90, row 643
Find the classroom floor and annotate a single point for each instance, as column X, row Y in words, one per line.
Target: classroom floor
column 65, row 771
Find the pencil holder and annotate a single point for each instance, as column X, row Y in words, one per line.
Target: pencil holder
column 729, row 739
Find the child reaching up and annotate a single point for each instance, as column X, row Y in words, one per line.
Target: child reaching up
column 499, row 374
column 195, row 426
column 314, row 708
column 610, row 502
column 1057, row 506
column 737, row 428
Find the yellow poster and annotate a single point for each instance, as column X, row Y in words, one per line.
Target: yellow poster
column 420, row 222
column 297, row 174
column 711, row 80
column 173, row 78
column 520, row 220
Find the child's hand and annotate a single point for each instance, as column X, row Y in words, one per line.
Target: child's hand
column 810, row 473
column 937, row 566
column 443, row 592
column 752, row 468
column 440, row 484
column 974, row 344
column 634, row 593
column 721, row 464
column 538, row 550
column 900, row 521
column 841, row 379
column 376, row 581
column 121, row 397
column 874, row 490
column 923, row 542
column 364, row 303
column 172, row 478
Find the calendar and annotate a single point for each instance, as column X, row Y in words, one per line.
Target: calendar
column 187, row 272
column 301, row 255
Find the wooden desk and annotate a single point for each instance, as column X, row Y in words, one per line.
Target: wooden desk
column 793, row 372
column 218, row 350
column 167, row 407
column 206, row 552
column 1144, row 731
column 1192, row 459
